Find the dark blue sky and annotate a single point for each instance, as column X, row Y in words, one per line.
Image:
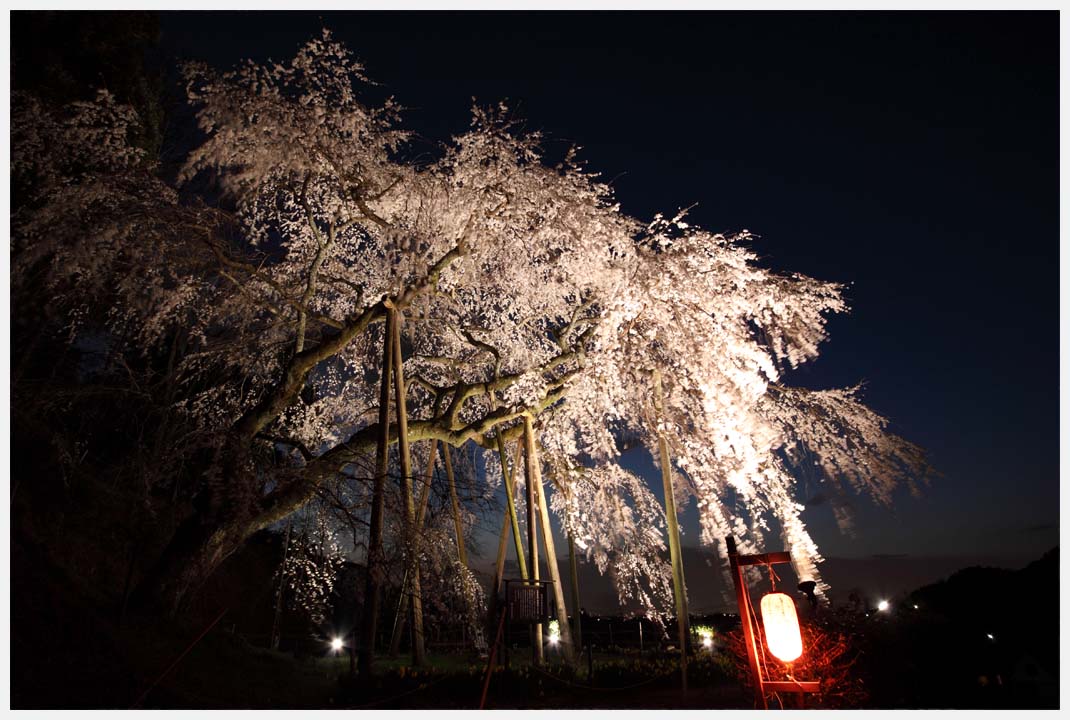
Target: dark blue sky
column 913, row 156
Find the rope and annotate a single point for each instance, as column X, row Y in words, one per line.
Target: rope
column 178, row 659
column 773, row 577
column 416, row 689
column 598, row 689
column 447, row 676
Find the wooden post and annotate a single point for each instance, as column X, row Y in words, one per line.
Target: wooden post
column 530, row 471
column 678, row 586
column 412, row 539
column 374, row 582
column 743, row 601
column 543, row 510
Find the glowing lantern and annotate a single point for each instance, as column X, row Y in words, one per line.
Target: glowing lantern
column 781, row 625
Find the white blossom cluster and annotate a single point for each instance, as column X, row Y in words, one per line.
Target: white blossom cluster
column 311, row 567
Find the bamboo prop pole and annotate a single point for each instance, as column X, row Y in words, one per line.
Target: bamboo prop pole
column 458, row 525
column 402, row 612
column 499, row 567
column 511, row 505
column 373, row 584
column 574, row 576
column 412, row 541
column 530, row 473
column 425, row 491
column 543, row 511
column 506, row 522
column 678, row 586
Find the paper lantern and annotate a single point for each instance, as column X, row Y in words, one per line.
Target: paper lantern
column 781, row 625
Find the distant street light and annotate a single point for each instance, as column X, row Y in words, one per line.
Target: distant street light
column 555, row 633
column 883, row 606
column 336, row 644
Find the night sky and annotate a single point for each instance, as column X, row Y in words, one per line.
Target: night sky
column 911, row 156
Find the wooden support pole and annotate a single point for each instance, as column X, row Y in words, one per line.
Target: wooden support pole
column 543, row 511
column 577, row 632
column 679, row 587
column 412, row 539
column 458, row 529
column 490, row 662
column 530, row 473
column 374, row 581
column 507, row 522
column 511, row 505
column 425, row 491
column 499, row 566
column 458, row 524
column 402, row 613
column 743, row 601
column 510, row 513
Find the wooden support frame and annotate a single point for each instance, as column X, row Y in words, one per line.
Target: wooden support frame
column 402, row 612
column 530, row 472
column 542, row 509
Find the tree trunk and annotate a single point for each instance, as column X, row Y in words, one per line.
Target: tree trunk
column 412, row 540
column 197, row 549
column 216, row 529
column 374, row 582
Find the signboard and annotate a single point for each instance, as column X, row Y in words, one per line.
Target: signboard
column 527, row 602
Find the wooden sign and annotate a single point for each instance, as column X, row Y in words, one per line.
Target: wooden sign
column 527, row 602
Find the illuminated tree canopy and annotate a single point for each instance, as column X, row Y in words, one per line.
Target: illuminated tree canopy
column 523, row 287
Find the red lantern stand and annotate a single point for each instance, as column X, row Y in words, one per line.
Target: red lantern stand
column 737, row 562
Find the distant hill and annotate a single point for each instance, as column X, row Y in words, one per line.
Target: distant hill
column 872, row 578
